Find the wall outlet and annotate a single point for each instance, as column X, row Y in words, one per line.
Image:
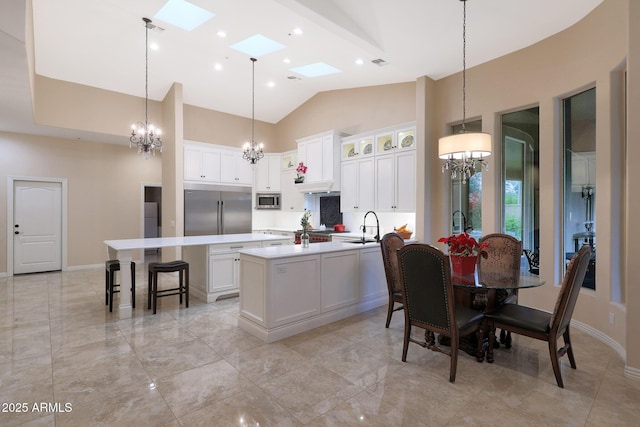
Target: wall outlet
column 612, row 318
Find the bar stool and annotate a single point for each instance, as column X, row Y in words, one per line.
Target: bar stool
column 182, row 267
column 111, row 267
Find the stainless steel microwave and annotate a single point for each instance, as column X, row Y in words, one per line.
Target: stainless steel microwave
column 268, row 200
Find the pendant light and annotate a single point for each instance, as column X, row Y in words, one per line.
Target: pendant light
column 253, row 151
column 144, row 135
column 465, row 151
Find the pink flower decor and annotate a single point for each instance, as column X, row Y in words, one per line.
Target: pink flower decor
column 301, row 169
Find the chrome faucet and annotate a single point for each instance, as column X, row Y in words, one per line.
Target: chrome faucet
column 364, row 226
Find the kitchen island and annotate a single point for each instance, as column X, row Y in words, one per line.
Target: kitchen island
column 287, row 290
column 213, row 259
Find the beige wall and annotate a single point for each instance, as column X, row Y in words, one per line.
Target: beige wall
column 104, row 189
column 349, row 111
column 219, row 128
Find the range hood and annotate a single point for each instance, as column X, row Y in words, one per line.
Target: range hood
column 316, row 187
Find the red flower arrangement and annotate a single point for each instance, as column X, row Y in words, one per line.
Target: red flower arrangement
column 463, row 244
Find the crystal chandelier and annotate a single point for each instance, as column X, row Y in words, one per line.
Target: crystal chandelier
column 252, row 151
column 144, row 135
column 465, row 151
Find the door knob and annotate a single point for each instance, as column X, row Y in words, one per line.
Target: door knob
column 17, row 232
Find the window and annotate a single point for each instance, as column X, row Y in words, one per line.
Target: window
column 520, row 176
column 579, row 149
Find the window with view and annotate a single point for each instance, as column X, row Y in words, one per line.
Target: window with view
column 579, row 149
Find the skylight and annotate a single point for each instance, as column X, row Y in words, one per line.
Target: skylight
column 257, row 45
column 183, row 14
column 316, row 70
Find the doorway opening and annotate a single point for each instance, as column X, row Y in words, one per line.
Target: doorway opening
column 152, row 220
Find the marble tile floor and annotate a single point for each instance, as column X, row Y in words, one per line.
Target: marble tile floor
column 66, row 361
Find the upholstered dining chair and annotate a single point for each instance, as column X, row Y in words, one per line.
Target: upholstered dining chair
column 389, row 244
column 542, row 325
column 501, row 255
column 428, row 301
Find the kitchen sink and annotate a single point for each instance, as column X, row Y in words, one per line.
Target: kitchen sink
column 361, row 242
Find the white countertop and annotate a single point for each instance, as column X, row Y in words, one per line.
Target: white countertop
column 286, row 251
column 161, row 242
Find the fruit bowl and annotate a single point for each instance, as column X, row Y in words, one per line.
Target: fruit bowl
column 404, row 234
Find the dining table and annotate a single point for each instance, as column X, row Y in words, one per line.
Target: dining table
column 486, row 290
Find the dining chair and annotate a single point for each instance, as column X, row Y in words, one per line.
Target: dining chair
column 389, row 245
column 502, row 254
column 428, row 301
column 542, row 325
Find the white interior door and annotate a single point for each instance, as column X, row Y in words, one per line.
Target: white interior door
column 37, row 226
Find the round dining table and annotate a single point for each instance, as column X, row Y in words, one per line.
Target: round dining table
column 486, row 290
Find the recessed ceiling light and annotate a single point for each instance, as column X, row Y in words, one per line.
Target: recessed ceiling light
column 298, row 31
column 154, row 46
column 286, row 60
column 217, row 66
column 221, row 33
column 316, row 70
column 183, row 14
column 257, row 45
column 359, row 61
column 271, row 84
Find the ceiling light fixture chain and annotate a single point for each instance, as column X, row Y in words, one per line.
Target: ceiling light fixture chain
column 253, row 151
column 144, row 135
column 464, row 152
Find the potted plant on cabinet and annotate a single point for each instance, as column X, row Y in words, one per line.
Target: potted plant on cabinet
column 463, row 252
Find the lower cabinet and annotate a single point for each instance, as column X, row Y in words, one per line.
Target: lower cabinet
column 215, row 269
column 281, row 297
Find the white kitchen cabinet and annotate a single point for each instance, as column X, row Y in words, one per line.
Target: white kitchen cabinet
column 215, row 164
column 398, row 139
column 395, row 182
column 338, row 282
column 268, row 173
column 355, row 147
column 201, row 164
column 224, row 267
column 357, row 191
column 234, row 169
column 292, row 198
column 321, row 154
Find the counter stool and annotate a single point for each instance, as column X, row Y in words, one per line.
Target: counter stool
column 168, row 267
column 110, row 268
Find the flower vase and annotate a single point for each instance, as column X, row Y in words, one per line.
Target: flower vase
column 305, row 240
column 298, row 179
column 463, row 264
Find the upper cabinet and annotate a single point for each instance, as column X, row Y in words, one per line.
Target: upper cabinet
column 321, row 154
column 357, row 147
column 201, row 164
column 403, row 138
column 379, row 170
column 234, row 169
column 267, row 173
column 214, row 164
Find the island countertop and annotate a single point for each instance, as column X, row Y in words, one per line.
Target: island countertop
column 286, row 251
column 213, row 239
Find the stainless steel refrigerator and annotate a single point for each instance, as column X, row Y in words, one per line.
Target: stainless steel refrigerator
column 216, row 210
